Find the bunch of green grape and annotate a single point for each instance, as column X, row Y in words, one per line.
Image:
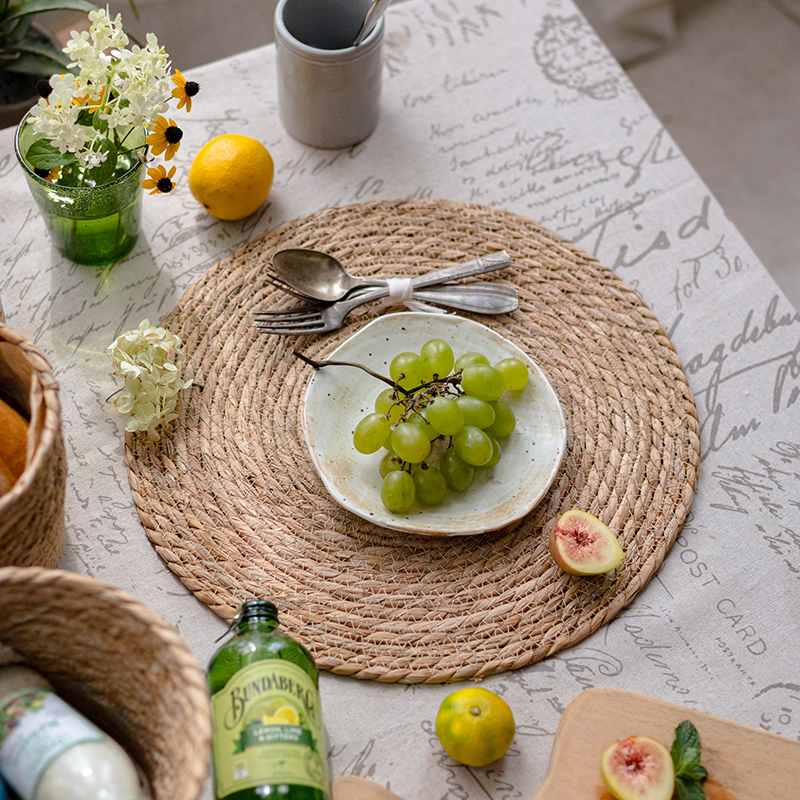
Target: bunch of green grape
column 440, row 422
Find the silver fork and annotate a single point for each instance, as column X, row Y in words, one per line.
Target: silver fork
column 481, row 298
column 484, row 298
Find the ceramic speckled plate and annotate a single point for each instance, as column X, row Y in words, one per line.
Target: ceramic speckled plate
column 338, row 397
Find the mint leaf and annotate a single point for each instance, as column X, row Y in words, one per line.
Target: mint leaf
column 685, row 754
column 686, row 747
column 689, row 790
column 694, row 772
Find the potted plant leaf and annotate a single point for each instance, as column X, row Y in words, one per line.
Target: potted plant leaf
column 28, row 53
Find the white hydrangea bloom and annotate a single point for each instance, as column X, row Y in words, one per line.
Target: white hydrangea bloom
column 133, row 83
column 150, row 362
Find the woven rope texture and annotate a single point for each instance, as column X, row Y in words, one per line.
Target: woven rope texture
column 232, row 504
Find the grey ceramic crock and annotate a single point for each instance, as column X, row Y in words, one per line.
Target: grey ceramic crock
column 328, row 90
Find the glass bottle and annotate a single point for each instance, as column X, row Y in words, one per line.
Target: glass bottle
column 49, row 751
column 268, row 735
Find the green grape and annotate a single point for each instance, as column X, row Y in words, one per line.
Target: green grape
column 385, row 404
column 437, row 356
column 421, row 422
column 476, row 412
column 398, row 491
column 445, row 415
column 504, row 421
column 389, row 463
column 514, row 372
column 496, row 454
column 483, row 382
column 457, row 473
column 473, row 446
column 411, row 366
column 410, row 443
column 430, row 486
column 468, row 359
column 371, row 433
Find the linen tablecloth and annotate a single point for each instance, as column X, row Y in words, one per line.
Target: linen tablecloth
column 515, row 105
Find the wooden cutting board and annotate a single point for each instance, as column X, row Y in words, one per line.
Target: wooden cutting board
column 351, row 787
column 743, row 763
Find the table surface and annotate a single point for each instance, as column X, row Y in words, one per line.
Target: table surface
column 514, row 105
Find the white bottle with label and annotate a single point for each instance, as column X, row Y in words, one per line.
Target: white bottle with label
column 49, row 751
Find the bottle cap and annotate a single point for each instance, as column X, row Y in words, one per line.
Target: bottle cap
column 257, row 608
column 251, row 609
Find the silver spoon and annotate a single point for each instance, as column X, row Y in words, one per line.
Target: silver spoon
column 317, row 275
column 376, row 11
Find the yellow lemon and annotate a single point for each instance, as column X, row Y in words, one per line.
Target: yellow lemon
column 475, row 726
column 287, row 715
column 231, row 176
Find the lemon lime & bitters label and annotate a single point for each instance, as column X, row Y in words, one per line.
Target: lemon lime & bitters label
column 268, row 729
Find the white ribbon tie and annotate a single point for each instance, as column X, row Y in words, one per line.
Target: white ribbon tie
column 401, row 290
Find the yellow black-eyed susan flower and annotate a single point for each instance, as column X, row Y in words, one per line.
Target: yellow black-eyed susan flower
column 165, row 138
column 159, row 180
column 184, row 90
column 92, row 101
column 50, row 175
column 43, row 88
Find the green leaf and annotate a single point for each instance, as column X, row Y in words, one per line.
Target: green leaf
column 686, row 747
column 105, row 172
column 695, row 772
column 34, row 58
column 85, row 118
column 43, row 155
column 98, row 123
column 29, row 7
column 689, row 790
column 69, row 177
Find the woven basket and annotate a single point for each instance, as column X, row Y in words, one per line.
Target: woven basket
column 32, row 511
column 118, row 663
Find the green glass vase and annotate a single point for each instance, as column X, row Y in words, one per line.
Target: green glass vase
column 91, row 225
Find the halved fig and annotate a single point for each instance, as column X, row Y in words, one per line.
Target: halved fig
column 582, row 545
column 638, row 768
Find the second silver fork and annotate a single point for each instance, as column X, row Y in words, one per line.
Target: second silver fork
column 485, row 298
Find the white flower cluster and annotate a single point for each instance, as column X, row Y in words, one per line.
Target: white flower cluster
column 129, row 87
column 150, row 361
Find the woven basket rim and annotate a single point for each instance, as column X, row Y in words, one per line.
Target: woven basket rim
column 195, row 687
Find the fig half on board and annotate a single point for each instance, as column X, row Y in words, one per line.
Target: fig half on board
column 582, row 545
column 638, row 768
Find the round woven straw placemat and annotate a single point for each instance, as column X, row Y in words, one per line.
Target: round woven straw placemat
column 233, row 505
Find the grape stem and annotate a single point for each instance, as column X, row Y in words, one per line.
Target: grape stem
column 319, row 364
column 453, row 381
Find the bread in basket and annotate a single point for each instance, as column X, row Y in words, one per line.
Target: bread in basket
column 32, row 509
